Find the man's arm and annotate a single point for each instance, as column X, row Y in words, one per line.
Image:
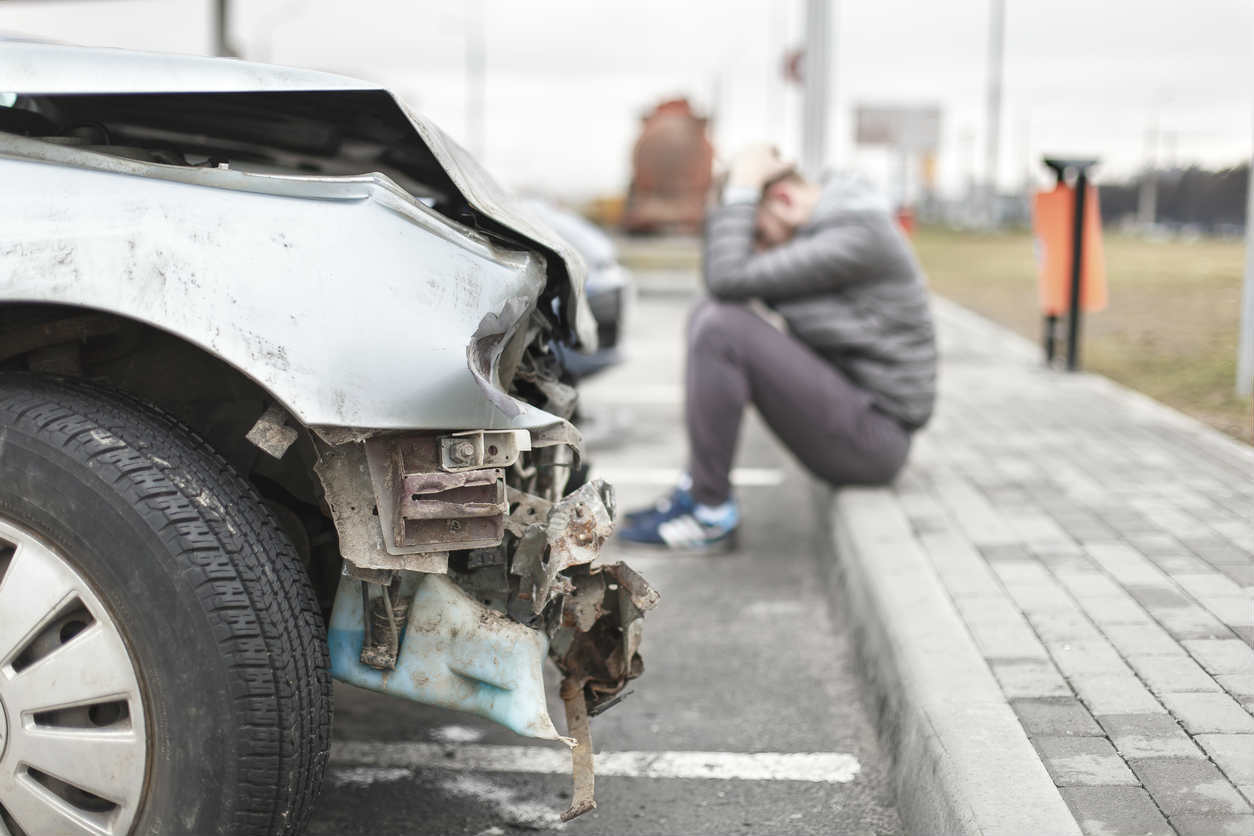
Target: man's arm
column 801, row 267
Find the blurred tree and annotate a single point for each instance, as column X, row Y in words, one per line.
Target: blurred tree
column 1215, row 201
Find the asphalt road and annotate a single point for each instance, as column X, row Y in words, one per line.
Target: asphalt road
column 742, row 656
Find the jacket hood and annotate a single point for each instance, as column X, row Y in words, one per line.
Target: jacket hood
column 843, row 192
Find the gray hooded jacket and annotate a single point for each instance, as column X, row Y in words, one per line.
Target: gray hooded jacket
column 848, row 286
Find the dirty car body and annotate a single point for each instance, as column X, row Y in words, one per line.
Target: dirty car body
column 373, row 323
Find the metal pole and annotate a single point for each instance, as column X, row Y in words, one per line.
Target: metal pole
column 815, row 93
column 475, row 67
column 1077, row 266
column 222, row 29
column 1245, row 347
column 775, row 40
column 992, row 149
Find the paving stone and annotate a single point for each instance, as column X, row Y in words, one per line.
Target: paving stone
column 960, row 566
column 1089, row 584
column 1083, row 761
column 1207, row 584
column 1172, row 674
column 1142, row 640
column 1004, row 551
column 1241, row 575
column 1232, row 610
column 1215, row 713
column 1158, row 595
column 1126, row 564
column 1115, row 694
column 1028, row 679
column 1152, row 545
column 1149, row 736
column 1070, row 558
column 999, row 629
column 1191, row 622
column 1063, row 625
column 1220, row 656
column 1188, row 785
column 1041, row 597
column 1217, row 552
column 1088, row 656
column 1197, row 825
column 1015, row 641
column 1115, row 610
column 1233, row 753
column 1115, row 811
column 1174, row 563
column 1056, row 717
column 1240, row 685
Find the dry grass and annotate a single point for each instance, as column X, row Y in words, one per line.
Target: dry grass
column 1170, row 329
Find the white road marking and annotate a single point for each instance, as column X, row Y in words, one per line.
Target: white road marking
column 741, row 477
column 457, row 734
column 519, row 812
column 364, row 776
column 774, row 609
column 813, row 767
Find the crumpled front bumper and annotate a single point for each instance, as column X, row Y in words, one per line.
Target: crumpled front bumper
column 469, row 582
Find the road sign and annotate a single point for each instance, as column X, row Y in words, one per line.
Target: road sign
column 913, row 129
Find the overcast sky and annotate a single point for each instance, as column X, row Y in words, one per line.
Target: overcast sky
column 566, row 80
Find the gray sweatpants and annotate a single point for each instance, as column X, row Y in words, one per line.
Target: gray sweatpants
column 735, row 358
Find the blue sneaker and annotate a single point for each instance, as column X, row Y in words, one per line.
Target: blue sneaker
column 694, row 529
column 679, row 499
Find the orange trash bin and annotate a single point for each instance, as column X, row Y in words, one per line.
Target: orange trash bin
column 1053, row 221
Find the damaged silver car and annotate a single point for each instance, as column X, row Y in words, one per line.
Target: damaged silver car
column 280, row 400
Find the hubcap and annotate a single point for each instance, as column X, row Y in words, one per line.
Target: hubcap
column 73, row 749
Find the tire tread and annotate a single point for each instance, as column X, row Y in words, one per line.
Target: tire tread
column 244, row 571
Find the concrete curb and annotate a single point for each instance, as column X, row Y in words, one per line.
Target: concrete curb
column 962, row 763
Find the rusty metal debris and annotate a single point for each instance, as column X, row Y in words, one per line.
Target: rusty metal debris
column 597, row 648
column 474, row 449
column 572, row 534
column 422, row 507
column 272, row 434
column 583, row 798
column 382, row 640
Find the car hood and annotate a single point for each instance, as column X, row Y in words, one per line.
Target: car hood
column 50, row 69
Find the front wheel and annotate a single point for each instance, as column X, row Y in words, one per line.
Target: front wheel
column 163, row 663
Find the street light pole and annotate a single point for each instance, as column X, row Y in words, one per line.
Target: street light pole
column 222, row 29
column 1245, row 348
column 475, row 78
column 815, row 94
column 992, row 148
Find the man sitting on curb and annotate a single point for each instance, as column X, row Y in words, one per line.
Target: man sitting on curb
column 843, row 389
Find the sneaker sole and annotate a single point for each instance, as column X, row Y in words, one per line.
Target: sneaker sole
column 727, row 545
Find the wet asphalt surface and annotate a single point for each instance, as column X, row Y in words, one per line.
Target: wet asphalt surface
column 742, row 655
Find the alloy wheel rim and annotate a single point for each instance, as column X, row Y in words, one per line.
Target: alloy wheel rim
column 73, row 750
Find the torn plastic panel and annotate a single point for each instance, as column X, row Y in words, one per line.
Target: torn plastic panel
column 453, row 652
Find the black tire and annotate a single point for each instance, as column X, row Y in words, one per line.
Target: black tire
column 213, row 602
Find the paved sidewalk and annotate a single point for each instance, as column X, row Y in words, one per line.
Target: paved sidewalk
column 1099, row 549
